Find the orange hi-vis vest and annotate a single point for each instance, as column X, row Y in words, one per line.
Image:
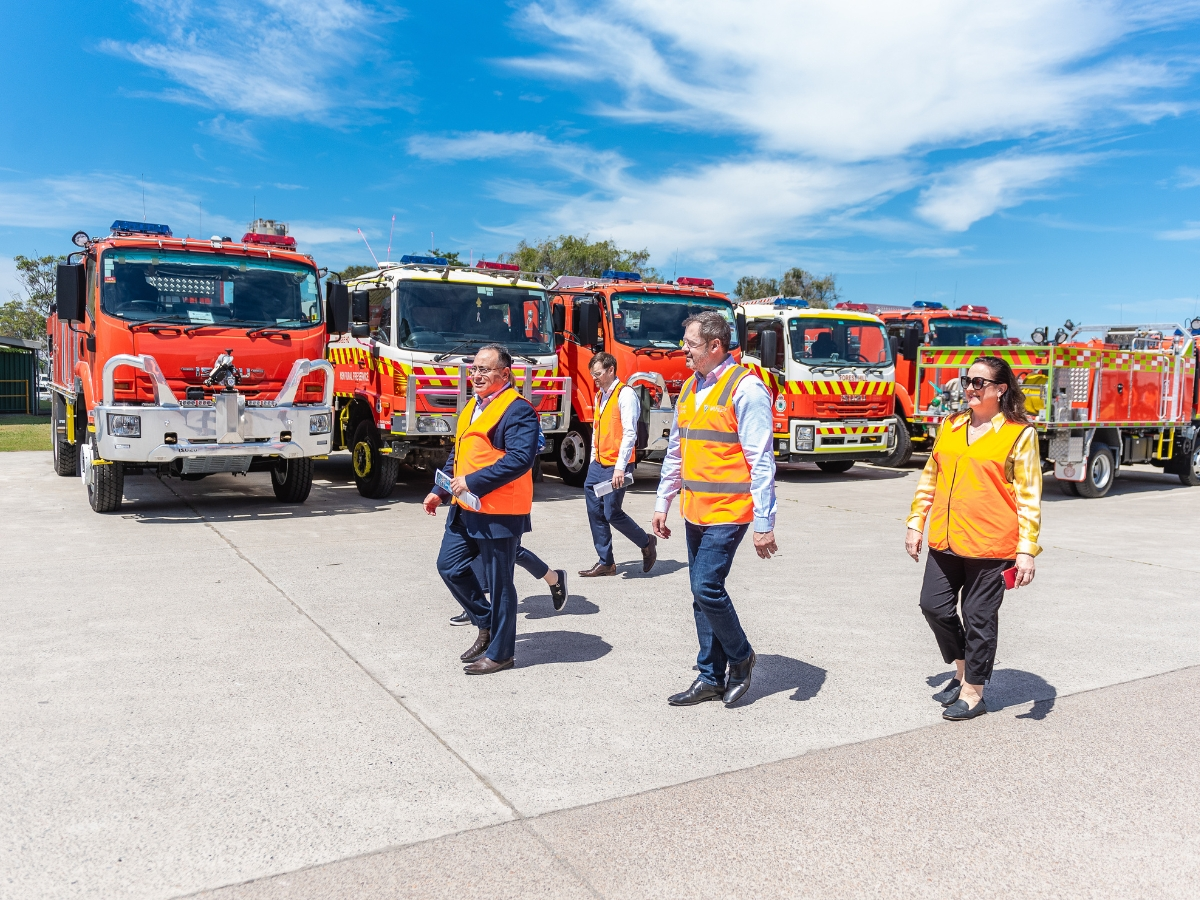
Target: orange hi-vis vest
column 473, row 451
column 716, row 475
column 974, row 512
column 609, row 429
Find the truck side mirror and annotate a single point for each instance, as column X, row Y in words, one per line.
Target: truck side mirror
column 69, row 295
column 912, row 341
column 360, row 307
column 337, row 308
column 558, row 318
column 360, row 330
column 587, row 321
column 768, row 347
column 742, row 330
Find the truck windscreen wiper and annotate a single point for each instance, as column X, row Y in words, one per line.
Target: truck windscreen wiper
column 459, row 346
column 161, row 320
column 224, row 323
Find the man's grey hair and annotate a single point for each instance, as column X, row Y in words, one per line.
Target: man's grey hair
column 502, row 353
column 713, row 327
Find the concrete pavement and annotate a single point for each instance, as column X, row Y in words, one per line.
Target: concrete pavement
column 211, row 688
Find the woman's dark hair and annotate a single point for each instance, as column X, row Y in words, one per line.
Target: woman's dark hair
column 1012, row 401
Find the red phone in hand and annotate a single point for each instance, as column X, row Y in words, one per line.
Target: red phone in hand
column 1010, row 578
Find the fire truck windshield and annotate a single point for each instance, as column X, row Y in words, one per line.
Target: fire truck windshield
column 656, row 320
column 441, row 316
column 206, row 289
column 963, row 332
column 838, row 342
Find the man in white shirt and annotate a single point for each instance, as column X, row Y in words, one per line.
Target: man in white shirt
column 614, row 435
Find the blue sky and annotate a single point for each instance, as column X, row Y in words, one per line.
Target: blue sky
column 1039, row 158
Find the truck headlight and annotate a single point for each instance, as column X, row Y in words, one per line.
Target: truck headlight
column 124, row 426
column 432, row 425
column 320, row 423
column 805, row 436
column 549, row 421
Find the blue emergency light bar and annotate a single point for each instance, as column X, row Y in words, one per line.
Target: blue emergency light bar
column 424, row 261
column 928, row 304
column 141, row 228
column 620, row 276
column 791, row 302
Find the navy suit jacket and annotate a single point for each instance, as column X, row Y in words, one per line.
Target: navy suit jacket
column 517, row 435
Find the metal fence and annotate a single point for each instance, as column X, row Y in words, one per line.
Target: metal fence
column 18, row 377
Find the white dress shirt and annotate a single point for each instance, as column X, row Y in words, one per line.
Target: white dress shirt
column 752, row 405
column 631, row 409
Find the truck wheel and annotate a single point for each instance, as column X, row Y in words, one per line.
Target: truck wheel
column 903, row 450
column 1070, row 488
column 1189, row 469
column 1101, row 469
column 292, row 480
column 105, row 483
column 66, row 454
column 374, row 473
column 835, row 466
column 573, row 452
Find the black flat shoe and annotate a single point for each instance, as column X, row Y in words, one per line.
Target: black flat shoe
column 958, row 711
column 949, row 693
column 558, row 590
column 738, row 681
column 461, row 619
column 697, row 693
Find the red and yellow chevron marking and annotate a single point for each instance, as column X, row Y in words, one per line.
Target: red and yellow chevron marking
column 435, row 376
column 851, row 429
column 1016, row 357
column 827, row 387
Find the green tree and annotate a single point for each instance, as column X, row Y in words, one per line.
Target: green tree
column 571, row 255
column 25, row 316
column 821, row 293
column 352, row 272
column 451, row 256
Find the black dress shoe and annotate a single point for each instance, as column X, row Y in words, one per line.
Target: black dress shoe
column 738, row 681
column 958, row 711
column 461, row 619
column 697, row 693
column 485, row 666
column 949, row 693
column 478, row 648
column 558, row 590
column 598, row 570
column 650, row 554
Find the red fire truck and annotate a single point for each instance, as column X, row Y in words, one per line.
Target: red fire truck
column 928, row 323
column 185, row 357
column 1102, row 397
column 640, row 323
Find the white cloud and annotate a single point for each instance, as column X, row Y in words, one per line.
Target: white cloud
column 294, row 59
column 575, row 159
column 972, row 191
column 1187, row 177
column 1190, row 232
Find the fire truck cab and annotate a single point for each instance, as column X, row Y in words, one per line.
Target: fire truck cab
column 187, row 357
column 832, row 376
column 402, row 365
column 639, row 323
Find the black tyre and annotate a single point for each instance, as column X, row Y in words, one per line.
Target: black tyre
column 1187, row 467
column 835, row 466
column 374, row 473
column 66, row 454
column 1070, row 488
column 573, row 453
column 105, row 481
column 903, row 450
column 1101, row 471
column 292, row 480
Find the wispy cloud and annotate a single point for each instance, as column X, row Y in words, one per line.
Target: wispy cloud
column 572, row 158
column 317, row 60
column 234, row 132
column 1190, row 232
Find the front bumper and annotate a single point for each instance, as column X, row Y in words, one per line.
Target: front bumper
column 224, row 427
column 813, row 440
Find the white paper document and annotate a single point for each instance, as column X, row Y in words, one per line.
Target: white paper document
column 604, row 488
column 466, row 498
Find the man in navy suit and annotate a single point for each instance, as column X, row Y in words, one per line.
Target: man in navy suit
column 494, row 450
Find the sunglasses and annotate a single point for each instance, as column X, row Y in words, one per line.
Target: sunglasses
column 975, row 383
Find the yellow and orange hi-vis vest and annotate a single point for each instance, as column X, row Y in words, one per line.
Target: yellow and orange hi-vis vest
column 609, row 429
column 474, row 451
column 716, row 475
column 974, row 512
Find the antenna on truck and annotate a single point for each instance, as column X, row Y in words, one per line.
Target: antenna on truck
column 369, row 250
column 392, row 229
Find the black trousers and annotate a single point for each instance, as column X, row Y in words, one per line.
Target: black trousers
column 973, row 636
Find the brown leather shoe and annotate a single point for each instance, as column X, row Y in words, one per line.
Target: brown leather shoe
column 598, row 570
column 478, row 648
column 650, row 554
column 485, row 666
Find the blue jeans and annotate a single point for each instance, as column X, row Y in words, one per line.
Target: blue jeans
column 605, row 513
column 498, row 556
column 722, row 640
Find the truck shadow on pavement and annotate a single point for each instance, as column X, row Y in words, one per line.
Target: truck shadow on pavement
column 540, row 648
column 1012, row 687
column 1126, row 483
column 774, row 674
column 808, row 473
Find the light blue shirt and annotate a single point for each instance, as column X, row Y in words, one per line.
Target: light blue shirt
column 752, row 405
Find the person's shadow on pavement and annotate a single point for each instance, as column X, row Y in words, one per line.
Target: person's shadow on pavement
column 541, row 606
column 539, row 648
column 1012, row 687
column 774, row 674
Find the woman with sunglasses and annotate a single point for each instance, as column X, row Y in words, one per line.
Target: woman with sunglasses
column 981, row 495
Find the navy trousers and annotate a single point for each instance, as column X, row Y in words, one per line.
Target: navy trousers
column 498, row 556
column 722, row 640
column 526, row 559
column 605, row 514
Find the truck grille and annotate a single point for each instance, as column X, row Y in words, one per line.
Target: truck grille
column 207, row 465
